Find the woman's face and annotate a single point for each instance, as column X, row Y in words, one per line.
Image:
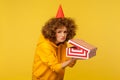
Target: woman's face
column 61, row 34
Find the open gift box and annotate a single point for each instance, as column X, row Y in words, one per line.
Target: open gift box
column 80, row 49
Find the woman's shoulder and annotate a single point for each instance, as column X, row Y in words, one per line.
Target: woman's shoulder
column 43, row 42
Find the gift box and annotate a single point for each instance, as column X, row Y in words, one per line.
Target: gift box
column 80, row 49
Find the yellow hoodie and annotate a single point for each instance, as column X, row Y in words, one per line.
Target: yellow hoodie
column 47, row 60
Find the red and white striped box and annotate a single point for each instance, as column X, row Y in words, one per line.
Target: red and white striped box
column 80, row 49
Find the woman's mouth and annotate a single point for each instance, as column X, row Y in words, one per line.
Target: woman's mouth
column 62, row 38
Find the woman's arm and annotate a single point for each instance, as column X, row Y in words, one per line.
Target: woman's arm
column 48, row 57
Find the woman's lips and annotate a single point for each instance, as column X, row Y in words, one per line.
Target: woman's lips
column 62, row 38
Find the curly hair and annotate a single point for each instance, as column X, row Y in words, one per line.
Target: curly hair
column 49, row 29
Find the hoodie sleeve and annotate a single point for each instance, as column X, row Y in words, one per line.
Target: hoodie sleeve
column 48, row 56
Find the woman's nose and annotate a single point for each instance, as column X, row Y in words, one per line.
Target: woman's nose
column 63, row 34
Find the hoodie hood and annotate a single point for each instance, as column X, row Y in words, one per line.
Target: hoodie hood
column 43, row 40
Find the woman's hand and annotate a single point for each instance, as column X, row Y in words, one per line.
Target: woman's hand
column 70, row 61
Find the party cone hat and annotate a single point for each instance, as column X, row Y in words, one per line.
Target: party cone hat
column 60, row 13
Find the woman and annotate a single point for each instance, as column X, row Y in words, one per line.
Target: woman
column 50, row 58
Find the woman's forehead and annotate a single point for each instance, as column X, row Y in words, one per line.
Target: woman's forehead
column 61, row 27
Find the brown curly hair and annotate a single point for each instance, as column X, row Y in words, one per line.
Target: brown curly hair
column 49, row 29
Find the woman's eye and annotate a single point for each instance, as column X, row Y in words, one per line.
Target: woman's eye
column 65, row 31
column 59, row 31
